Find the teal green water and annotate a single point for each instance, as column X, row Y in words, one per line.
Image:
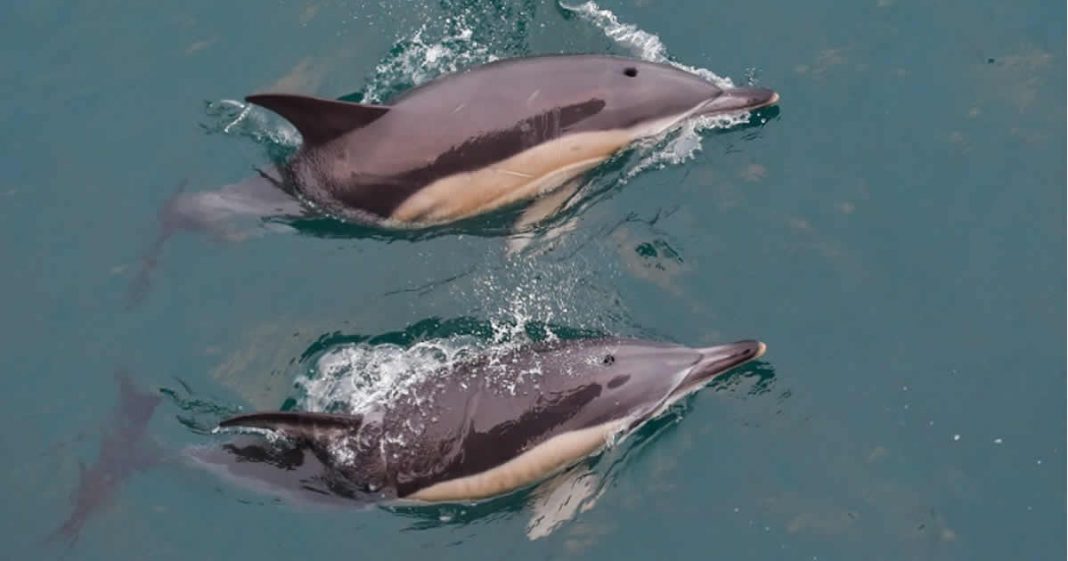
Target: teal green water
column 895, row 233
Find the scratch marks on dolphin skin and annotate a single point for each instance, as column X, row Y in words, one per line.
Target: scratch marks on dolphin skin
column 511, row 172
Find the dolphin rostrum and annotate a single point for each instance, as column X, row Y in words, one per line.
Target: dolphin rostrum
column 482, row 428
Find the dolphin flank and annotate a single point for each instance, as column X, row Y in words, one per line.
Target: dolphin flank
column 483, row 428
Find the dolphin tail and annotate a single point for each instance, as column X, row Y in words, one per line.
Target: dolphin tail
column 234, row 212
column 139, row 286
column 123, row 453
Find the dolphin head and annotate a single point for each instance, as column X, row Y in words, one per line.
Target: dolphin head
column 638, row 379
column 652, row 96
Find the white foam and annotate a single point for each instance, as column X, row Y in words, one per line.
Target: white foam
column 429, row 52
column 354, row 377
column 679, row 144
column 238, row 118
column 641, row 43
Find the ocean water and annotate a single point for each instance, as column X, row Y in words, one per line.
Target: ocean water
column 895, row 231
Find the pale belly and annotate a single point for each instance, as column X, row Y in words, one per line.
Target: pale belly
column 526, row 175
column 529, row 467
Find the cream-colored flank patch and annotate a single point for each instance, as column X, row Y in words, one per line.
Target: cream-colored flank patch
column 533, row 465
column 525, row 175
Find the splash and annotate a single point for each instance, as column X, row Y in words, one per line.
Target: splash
column 238, row 118
column 351, row 378
column 430, row 52
column 517, row 304
column 520, row 303
column 682, row 143
column 641, row 43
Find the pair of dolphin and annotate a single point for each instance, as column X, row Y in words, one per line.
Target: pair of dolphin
column 456, row 147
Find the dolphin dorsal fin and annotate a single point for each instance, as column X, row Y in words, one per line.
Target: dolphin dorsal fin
column 319, row 120
column 311, row 427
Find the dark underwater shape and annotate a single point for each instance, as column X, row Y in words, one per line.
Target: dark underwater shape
column 479, row 430
column 123, row 453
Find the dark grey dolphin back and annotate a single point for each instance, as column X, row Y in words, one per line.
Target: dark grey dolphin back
column 497, row 95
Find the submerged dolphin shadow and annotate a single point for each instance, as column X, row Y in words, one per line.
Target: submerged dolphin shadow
column 123, row 453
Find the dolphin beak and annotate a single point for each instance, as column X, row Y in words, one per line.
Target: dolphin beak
column 720, row 359
column 735, row 100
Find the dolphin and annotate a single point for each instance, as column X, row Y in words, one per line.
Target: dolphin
column 479, row 429
column 494, row 135
column 466, row 143
column 455, row 147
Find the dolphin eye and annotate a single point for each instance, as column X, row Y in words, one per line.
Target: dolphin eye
column 608, row 360
column 630, row 71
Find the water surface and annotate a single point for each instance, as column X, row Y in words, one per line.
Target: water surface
column 895, row 232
